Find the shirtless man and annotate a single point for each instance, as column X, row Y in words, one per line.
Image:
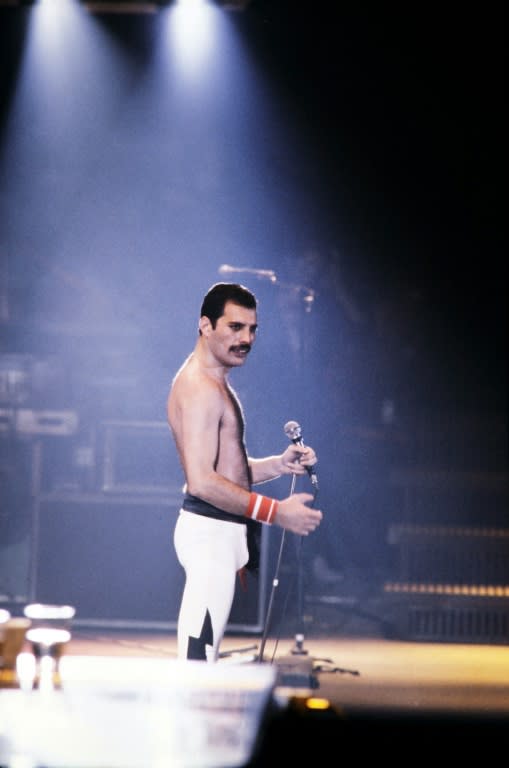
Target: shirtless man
column 207, row 423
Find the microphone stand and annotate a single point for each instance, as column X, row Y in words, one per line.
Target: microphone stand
column 298, row 668
column 275, row 584
column 298, row 649
column 299, row 635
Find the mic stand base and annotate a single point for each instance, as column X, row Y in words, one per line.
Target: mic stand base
column 236, row 654
column 298, row 649
column 297, row 670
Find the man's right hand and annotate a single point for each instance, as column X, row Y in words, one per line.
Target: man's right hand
column 294, row 515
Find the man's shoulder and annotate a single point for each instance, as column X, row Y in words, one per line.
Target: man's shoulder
column 191, row 380
column 187, row 374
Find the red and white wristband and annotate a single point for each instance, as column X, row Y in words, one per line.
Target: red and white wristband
column 261, row 508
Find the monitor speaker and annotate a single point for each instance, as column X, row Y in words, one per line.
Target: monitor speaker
column 114, row 560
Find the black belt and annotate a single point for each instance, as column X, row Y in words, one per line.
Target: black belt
column 200, row 507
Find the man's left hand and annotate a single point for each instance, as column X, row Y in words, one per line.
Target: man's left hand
column 297, row 458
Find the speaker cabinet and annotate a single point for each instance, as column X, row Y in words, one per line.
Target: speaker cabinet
column 113, row 559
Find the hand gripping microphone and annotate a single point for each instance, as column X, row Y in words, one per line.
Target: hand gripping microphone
column 294, row 433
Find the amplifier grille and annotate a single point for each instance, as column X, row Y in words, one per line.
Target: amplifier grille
column 473, row 624
column 452, row 583
column 452, row 555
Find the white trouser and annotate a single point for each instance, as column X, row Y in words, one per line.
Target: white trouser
column 211, row 552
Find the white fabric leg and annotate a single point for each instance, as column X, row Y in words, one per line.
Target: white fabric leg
column 211, row 552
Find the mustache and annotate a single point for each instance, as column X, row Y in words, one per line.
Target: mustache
column 241, row 348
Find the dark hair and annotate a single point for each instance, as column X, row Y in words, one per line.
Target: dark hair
column 217, row 296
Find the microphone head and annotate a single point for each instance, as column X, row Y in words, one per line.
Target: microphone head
column 293, row 430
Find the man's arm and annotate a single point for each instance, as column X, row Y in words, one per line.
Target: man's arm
column 294, row 460
column 200, row 410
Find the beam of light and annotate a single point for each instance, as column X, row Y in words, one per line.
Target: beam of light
column 192, row 37
column 57, row 40
column 60, row 125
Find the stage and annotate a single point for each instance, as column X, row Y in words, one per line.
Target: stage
column 371, row 695
column 360, row 675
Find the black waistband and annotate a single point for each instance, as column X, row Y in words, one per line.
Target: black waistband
column 199, row 507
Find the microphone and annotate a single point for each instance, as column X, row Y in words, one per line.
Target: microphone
column 227, row 269
column 294, row 433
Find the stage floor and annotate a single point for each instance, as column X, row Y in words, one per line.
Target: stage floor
column 356, row 674
column 379, row 698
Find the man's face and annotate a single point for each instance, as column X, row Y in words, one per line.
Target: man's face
column 231, row 340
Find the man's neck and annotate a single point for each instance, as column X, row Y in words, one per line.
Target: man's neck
column 208, row 363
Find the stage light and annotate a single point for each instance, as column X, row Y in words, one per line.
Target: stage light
column 132, row 6
column 16, row 3
column 316, row 703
